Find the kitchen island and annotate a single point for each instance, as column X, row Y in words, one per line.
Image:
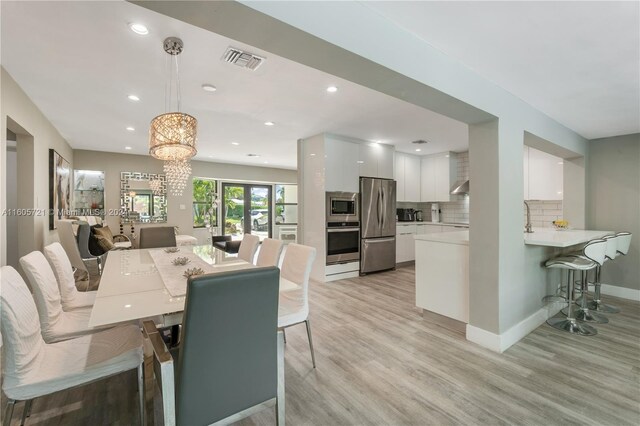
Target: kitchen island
column 442, row 268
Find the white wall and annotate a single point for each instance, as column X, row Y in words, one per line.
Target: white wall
column 113, row 164
column 36, row 135
column 613, row 183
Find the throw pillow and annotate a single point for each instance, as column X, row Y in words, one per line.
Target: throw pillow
column 104, row 243
column 104, row 231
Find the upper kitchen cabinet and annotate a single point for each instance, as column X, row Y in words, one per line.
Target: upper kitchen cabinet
column 438, row 174
column 341, row 165
column 543, row 175
column 407, row 175
column 376, row 160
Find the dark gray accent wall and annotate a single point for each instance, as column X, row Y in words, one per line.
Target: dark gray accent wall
column 613, row 201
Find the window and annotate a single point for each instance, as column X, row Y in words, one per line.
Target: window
column 205, row 208
column 286, row 204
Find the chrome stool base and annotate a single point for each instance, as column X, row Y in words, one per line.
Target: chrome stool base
column 572, row 326
column 585, row 315
column 597, row 305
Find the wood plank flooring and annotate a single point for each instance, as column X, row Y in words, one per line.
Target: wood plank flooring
column 380, row 363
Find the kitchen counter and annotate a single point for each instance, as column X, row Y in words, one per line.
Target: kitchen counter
column 457, row 237
column 424, row 222
column 551, row 238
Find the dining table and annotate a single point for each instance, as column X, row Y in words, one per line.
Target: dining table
column 144, row 283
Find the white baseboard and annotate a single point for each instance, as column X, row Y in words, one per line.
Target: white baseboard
column 341, row 276
column 502, row 342
column 622, row 292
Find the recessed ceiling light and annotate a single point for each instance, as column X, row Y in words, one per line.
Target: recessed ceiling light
column 131, row 129
column 266, row 162
column 418, row 150
column 332, row 89
column 447, row 155
column 360, row 162
column 211, row 156
column 235, row 143
column 139, row 28
column 560, row 162
column 128, row 148
column 269, row 123
column 209, row 88
column 127, row 306
column 133, row 98
column 312, row 155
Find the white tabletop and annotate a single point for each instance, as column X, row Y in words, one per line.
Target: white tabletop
column 552, row 238
column 131, row 287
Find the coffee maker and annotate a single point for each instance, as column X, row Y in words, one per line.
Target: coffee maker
column 435, row 213
column 419, row 217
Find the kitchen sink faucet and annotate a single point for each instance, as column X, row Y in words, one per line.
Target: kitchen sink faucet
column 527, row 227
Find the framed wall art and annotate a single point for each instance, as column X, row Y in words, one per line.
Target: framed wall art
column 59, row 188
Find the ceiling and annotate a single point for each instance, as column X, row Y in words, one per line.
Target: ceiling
column 78, row 62
column 577, row 61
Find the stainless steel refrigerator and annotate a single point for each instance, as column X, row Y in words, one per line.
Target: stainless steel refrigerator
column 377, row 224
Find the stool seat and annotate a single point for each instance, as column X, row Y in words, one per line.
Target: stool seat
column 571, row 262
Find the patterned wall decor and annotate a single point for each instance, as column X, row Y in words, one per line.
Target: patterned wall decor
column 159, row 196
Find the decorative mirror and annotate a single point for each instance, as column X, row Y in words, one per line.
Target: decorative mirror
column 88, row 193
column 143, row 197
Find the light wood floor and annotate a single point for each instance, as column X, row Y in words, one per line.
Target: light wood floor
column 379, row 362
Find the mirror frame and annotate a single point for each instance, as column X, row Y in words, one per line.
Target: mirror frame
column 125, row 198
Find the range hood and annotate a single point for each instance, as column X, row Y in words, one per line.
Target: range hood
column 462, row 189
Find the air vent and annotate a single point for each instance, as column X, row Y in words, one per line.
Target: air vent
column 242, row 59
column 420, row 142
column 253, row 155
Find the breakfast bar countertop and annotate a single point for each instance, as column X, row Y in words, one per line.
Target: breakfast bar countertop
column 552, row 238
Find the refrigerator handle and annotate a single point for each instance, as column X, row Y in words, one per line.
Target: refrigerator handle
column 384, row 207
column 380, row 208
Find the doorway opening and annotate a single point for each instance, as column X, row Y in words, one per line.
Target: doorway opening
column 246, row 209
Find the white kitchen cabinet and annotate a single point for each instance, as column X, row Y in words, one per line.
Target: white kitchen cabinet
column 545, row 174
column 525, row 168
column 407, row 176
column 398, row 175
column 405, row 247
column 438, row 174
column 341, row 173
column 376, row 160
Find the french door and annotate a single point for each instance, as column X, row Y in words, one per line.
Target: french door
column 246, row 209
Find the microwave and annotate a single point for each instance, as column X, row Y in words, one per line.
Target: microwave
column 342, row 207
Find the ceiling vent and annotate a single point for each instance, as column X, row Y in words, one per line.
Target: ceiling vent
column 420, row 142
column 242, row 59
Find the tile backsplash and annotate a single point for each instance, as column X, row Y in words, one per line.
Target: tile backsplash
column 543, row 213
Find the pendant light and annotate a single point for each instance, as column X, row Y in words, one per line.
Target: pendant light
column 173, row 135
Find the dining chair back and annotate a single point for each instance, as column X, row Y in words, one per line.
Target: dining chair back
column 294, row 305
column 269, row 254
column 69, row 242
column 157, row 236
column 611, row 247
column 227, row 358
column 55, row 324
column 70, row 297
column 32, row 368
column 248, row 247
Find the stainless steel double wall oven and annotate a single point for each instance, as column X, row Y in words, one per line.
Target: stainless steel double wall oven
column 343, row 227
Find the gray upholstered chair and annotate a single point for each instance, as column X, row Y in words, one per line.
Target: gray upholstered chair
column 230, row 362
column 157, row 236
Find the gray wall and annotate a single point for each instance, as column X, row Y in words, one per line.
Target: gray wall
column 113, row 163
column 613, row 183
column 12, row 203
column 35, row 136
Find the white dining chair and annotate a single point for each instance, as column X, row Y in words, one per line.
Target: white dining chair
column 294, row 305
column 33, row 368
column 270, row 251
column 55, row 323
column 71, row 298
column 248, row 247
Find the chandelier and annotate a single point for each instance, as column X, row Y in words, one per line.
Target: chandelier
column 173, row 135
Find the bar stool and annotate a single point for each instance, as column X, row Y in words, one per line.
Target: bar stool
column 610, row 254
column 593, row 252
